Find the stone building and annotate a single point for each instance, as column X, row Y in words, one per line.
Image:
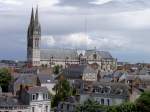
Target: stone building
column 36, row 56
column 33, row 99
column 37, row 98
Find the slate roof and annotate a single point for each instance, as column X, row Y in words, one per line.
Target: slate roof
column 8, row 100
column 76, row 71
column 102, row 54
column 28, row 70
column 22, row 79
column 3, row 65
column 58, row 53
column 133, row 77
column 37, row 89
column 46, row 78
column 112, row 90
column 26, row 79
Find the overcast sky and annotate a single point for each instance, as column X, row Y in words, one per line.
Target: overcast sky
column 121, row 27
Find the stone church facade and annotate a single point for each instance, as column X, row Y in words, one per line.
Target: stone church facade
column 59, row 56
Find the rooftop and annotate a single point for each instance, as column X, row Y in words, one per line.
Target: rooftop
column 37, row 89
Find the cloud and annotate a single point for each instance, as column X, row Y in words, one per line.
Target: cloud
column 47, row 41
column 11, row 2
column 119, row 26
column 100, row 2
column 47, row 3
column 83, row 41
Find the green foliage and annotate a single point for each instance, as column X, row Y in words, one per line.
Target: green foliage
column 141, row 105
column 90, row 106
column 62, row 90
column 56, row 69
column 5, row 78
column 143, row 102
column 125, row 107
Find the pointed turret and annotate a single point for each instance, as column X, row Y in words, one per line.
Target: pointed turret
column 37, row 26
column 32, row 17
column 31, row 25
column 36, row 17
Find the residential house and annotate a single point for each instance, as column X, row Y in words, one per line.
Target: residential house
column 37, row 98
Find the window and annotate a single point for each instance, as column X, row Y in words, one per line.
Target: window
column 61, row 106
column 46, row 108
column 102, row 101
column 33, row 109
column 33, row 96
column 45, row 96
column 108, row 102
column 37, row 95
column 67, row 106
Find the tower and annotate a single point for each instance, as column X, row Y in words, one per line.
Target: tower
column 33, row 40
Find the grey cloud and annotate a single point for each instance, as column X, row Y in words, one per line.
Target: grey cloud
column 81, row 3
column 108, row 7
column 116, row 32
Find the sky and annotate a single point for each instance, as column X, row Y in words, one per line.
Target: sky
column 121, row 27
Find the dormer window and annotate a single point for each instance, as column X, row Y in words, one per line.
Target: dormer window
column 119, row 91
column 35, row 96
column 107, row 89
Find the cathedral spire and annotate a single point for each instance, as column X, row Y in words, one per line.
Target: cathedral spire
column 36, row 17
column 32, row 17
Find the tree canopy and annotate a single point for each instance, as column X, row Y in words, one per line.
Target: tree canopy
column 125, row 107
column 56, row 69
column 63, row 90
column 90, row 106
column 5, row 79
column 143, row 102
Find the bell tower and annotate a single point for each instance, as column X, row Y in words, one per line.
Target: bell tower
column 34, row 40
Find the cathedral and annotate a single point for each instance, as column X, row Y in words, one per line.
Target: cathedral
column 36, row 56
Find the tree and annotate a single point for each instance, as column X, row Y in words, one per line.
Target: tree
column 90, row 106
column 62, row 90
column 56, row 69
column 143, row 102
column 125, row 107
column 5, row 79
